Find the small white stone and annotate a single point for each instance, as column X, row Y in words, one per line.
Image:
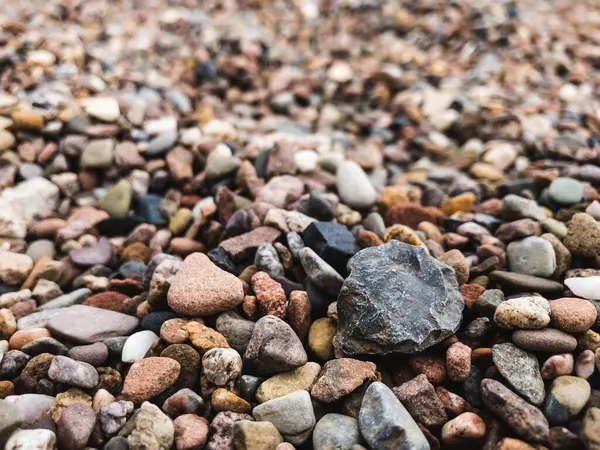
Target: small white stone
column 137, row 345
column 354, row 187
column 585, row 364
column 103, row 108
column 586, row 287
column 191, row 136
column 340, row 72
column 41, row 58
column 38, row 439
column 306, row 160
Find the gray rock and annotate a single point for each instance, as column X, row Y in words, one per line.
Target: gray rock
column 221, row 430
column 75, row 426
column 531, row 256
column 295, row 244
column 41, row 247
column 397, row 298
column 274, row 347
column 566, row 191
column 524, row 419
column 236, row 329
column 98, row 154
column 117, row 443
column 267, row 260
column 354, row 187
column 162, row 143
column 149, row 428
column 86, row 324
column 184, row 401
column 521, row 370
column 336, row 431
column 487, row 302
column 374, row 222
column 320, row 273
column 31, row 406
column 72, row 298
column 38, row 319
column 73, row 373
column 293, row 416
column 10, row 419
column 515, row 207
column 112, row 417
column 385, row 424
column 12, row 363
column 45, row 345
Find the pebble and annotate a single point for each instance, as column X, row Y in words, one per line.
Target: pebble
column 545, row 340
column 531, row 256
column 277, row 411
column 191, row 432
column 285, row 383
column 419, row 398
column 340, row 377
column 248, row 435
column 526, row 283
column 572, row 315
column 458, row 362
column 222, row 366
column 273, row 348
column 583, row 235
column 557, row 365
column 149, row 377
column 214, row 292
column 73, row 373
column 75, row 426
column 567, row 397
column 320, row 338
column 523, row 313
column 336, row 431
column 319, row 272
column 103, row 108
column 137, row 345
column 117, row 199
column 586, row 287
column 93, row 354
column 87, row 325
column 463, row 429
column 149, row 428
column 384, row 422
column 590, row 431
column 184, row 401
column 566, row 191
column 584, row 365
column 521, row 370
column 98, row 154
column 39, row 439
column 354, row 187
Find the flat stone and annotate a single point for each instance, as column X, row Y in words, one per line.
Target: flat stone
column 117, row 200
column 521, row 370
column 546, row 340
column 385, row 424
column 285, row 383
column 213, row 292
column 72, row 298
column 586, row 287
column 93, row 354
column 523, row 312
column 103, row 108
column 526, row 283
column 86, row 324
column 292, row 415
column 383, row 284
column 531, row 256
column 515, row 207
column 566, row 191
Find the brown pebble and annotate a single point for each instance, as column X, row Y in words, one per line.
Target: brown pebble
column 573, row 315
column 22, row 337
column 149, row 377
column 458, row 362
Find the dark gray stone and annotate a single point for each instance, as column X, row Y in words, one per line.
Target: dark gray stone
column 521, row 370
column 385, row 424
column 397, row 299
column 336, row 431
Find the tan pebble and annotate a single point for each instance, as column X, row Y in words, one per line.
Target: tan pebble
column 513, row 444
column 573, row 315
column 205, row 338
column 22, row 337
column 458, row 362
column 6, row 388
column 527, row 313
column 557, row 365
column 223, row 400
column 433, row 367
column 320, row 337
column 466, row 427
column 8, row 324
column 584, row 365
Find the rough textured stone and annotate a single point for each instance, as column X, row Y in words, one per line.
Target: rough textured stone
column 75, row 426
column 524, row 419
column 521, row 370
column 384, row 285
column 333, row 242
column 420, row 399
column 74, row 373
column 287, row 382
column 340, row 377
column 248, row 435
column 385, row 424
column 523, row 312
column 149, row 377
column 221, row 430
column 149, row 428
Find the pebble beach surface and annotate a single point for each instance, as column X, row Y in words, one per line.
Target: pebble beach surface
column 299, row 224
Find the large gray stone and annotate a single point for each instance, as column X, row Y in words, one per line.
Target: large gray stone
column 531, row 256
column 397, row 299
column 336, row 431
column 385, row 424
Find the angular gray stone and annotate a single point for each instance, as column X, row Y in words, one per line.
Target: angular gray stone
column 397, row 298
column 293, row 416
column 236, row 329
column 72, row 298
column 86, row 324
column 385, row 424
column 516, row 207
column 531, row 256
column 267, row 260
column 336, row 431
column 521, row 370
column 320, row 273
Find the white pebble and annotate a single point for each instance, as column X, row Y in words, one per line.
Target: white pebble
column 586, row 287
column 306, row 160
column 137, row 345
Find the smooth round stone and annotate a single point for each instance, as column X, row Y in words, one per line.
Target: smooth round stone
column 532, row 256
column 566, row 399
column 137, row 345
column 572, row 315
column 586, row 287
column 103, row 108
column 336, row 431
column 306, row 160
column 40, row 248
column 354, row 187
column 594, row 209
column 557, row 365
column 546, row 340
column 523, row 313
column 287, row 382
column 566, row 191
column 132, row 269
column 94, row 354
